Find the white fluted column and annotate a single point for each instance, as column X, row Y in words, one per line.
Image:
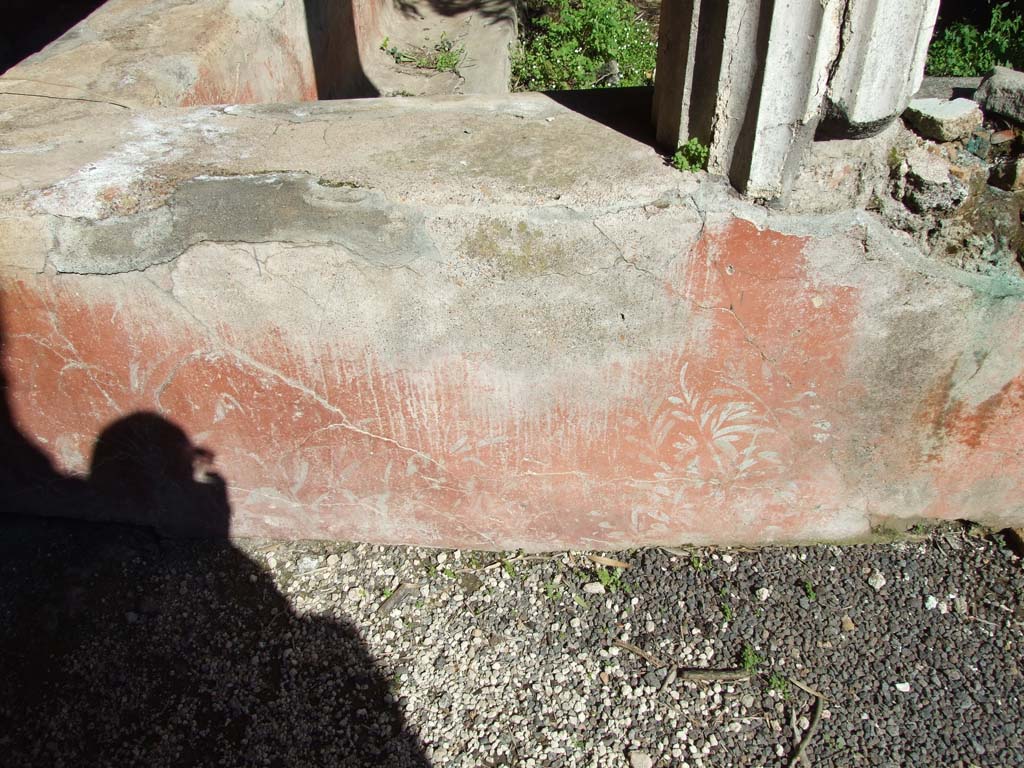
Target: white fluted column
column 753, row 79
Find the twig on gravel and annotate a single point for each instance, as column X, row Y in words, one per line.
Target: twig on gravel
column 675, row 551
column 819, row 703
column 502, row 561
column 673, row 673
column 610, row 562
column 646, row 655
column 701, row 675
column 395, row 598
column 806, row 688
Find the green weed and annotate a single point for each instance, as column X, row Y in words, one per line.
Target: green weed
column 809, row 590
column 964, row 50
column 445, row 56
column 610, row 579
column 779, row 684
column 583, row 44
column 750, row 660
column 692, row 156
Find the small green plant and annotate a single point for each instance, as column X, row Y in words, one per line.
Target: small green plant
column 444, row 57
column 611, row 580
column 509, row 568
column 964, row 50
column 779, row 684
column 551, row 591
column 583, row 44
column 449, row 573
column 388, row 593
column 580, row 602
column 725, row 605
column 696, row 563
column 750, row 660
column 809, row 590
column 692, row 156
column 895, row 159
column 833, row 742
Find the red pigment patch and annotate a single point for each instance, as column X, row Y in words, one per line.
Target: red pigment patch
column 210, row 89
column 976, row 459
column 725, row 434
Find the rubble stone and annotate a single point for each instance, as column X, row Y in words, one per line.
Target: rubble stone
column 1002, row 92
column 943, row 120
column 930, row 184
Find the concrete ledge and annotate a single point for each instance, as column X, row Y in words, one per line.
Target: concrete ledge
column 491, row 323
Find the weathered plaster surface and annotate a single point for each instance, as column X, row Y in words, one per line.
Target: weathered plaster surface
column 492, row 323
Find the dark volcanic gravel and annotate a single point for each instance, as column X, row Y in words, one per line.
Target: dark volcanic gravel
column 120, row 648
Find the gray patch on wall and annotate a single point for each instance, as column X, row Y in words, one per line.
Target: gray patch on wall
column 272, row 207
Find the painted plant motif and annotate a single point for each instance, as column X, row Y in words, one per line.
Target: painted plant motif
column 710, row 436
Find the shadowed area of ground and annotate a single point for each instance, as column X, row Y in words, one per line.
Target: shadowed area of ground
column 120, row 647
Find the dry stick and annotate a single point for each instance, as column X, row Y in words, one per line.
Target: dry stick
column 502, row 561
column 700, row 675
column 819, row 702
column 609, row 561
column 646, row 655
column 393, row 600
column 670, row 678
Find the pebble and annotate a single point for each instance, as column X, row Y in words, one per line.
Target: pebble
column 763, row 594
column 524, row 671
column 594, row 588
column 333, row 560
column 877, row 580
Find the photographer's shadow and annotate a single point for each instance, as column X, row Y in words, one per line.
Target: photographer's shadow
column 127, row 643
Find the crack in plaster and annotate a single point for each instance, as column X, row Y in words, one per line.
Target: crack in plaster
column 64, row 98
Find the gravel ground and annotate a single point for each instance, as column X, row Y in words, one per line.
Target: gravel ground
column 120, row 648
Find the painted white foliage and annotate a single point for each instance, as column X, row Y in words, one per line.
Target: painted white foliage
column 714, row 434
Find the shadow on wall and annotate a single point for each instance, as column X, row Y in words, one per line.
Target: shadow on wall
column 333, row 41
column 122, row 646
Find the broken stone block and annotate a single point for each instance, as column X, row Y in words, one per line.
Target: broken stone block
column 1008, row 175
column 1002, row 93
column 943, row 120
column 931, row 186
